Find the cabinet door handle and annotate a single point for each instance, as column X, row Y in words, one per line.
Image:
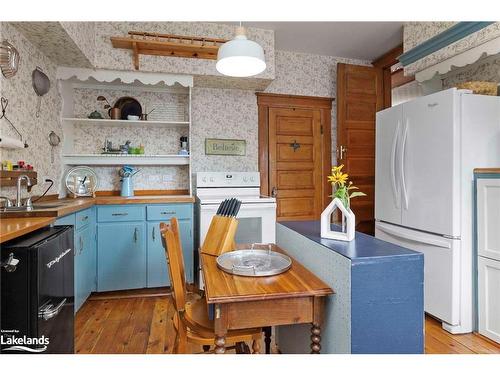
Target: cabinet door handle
column 81, row 245
column 167, row 213
column 135, row 235
column 85, row 217
column 119, row 214
column 153, row 234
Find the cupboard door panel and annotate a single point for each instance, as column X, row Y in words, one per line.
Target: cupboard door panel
column 488, row 217
column 121, row 262
column 489, row 301
column 157, row 268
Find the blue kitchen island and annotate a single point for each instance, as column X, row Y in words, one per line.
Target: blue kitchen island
column 378, row 305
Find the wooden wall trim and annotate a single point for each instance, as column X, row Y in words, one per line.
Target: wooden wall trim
column 399, row 79
column 284, row 100
column 388, row 59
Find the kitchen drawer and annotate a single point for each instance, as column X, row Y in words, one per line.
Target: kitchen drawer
column 165, row 212
column 83, row 218
column 121, row 213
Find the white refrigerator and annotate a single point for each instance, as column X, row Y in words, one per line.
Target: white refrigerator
column 426, row 150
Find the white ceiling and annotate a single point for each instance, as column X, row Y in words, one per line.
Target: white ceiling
column 361, row 40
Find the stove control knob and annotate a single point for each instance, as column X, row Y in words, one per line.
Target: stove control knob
column 252, row 179
column 204, row 179
column 245, row 179
column 211, row 179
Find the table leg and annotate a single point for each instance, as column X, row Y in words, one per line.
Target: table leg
column 256, row 347
column 220, row 344
column 267, row 339
column 220, row 328
column 315, row 339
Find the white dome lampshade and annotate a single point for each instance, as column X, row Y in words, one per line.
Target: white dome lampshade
column 240, row 57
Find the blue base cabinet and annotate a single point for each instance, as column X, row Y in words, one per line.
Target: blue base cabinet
column 129, row 246
column 85, row 257
column 121, row 256
column 157, row 272
column 119, row 247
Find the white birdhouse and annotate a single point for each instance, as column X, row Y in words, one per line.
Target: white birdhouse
column 348, row 218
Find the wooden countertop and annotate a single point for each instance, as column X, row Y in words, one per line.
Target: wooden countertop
column 12, row 228
column 67, row 206
column 17, row 223
column 487, row 170
column 144, row 199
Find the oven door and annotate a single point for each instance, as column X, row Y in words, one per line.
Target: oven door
column 256, row 222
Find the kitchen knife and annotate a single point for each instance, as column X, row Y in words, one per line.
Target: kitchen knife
column 225, row 205
column 219, row 208
column 232, row 204
column 237, row 208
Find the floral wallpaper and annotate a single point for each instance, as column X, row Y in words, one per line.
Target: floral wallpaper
column 83, row 34
column 149, row 177
column 310, row 75
column 164, row 105
column 52, row 39
column 229, row 111
column 107, row 57
column 414, row 33
column 228, row 114
column 225, row 113
column 21, row 111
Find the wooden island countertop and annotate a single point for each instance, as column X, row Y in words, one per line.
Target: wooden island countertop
column 12, row 228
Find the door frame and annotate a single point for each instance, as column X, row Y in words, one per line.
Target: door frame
column 391, row 77
column 324, row 104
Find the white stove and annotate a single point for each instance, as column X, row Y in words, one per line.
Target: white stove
column 257, row 214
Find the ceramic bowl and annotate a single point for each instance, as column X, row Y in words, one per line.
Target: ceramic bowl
column 132, row 117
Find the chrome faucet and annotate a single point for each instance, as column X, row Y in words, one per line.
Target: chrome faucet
column 18, row 193
column 8, row 202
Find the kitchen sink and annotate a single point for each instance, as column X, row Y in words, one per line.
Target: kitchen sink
column 42, row 206
column 35, row 207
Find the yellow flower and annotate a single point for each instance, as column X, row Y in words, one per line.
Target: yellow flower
column 338, row 177
column 337, row 169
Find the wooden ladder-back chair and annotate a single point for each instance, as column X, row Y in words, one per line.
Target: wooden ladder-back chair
column 191, row 319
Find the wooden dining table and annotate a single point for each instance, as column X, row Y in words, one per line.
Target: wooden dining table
column 240, row 302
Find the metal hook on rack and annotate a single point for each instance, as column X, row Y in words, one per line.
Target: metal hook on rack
column 4, row 103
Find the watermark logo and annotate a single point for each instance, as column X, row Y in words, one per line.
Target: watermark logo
column 24, row 343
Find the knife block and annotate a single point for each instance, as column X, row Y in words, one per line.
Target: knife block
column 220, row 236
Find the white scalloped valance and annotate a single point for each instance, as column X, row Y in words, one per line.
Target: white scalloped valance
column 470, row 56
column 101, row 75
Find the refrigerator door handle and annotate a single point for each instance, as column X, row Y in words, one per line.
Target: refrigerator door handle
column 414, row 237
column 395, row 187
column 402, row 163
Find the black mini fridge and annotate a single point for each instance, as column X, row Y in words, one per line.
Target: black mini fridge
column 37, row 294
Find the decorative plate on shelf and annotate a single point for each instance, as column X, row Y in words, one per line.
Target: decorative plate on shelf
column 81, row 181
column 128, row 106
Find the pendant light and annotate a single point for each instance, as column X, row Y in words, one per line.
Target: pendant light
column 240, row 57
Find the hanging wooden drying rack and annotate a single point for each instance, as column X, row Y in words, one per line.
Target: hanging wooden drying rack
column 146, row 43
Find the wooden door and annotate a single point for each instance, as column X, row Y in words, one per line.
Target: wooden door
column 295, row 153
column 359, row 97
column 295, row 162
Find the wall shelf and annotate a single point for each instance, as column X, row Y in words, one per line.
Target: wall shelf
column 109, row 122
column 103, row 159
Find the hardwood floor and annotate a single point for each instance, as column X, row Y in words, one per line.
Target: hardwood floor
column 142, row 323
column 439, row 341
